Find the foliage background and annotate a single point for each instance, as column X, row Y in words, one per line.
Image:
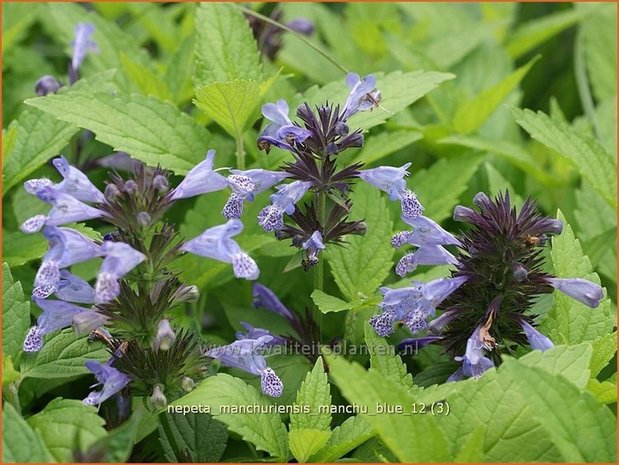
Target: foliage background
column 468, row 133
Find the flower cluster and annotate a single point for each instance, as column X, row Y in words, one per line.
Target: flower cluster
column 486, row 303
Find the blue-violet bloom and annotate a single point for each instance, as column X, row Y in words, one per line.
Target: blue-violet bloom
column 201, row 179
column 109, row 377
column 271, row 218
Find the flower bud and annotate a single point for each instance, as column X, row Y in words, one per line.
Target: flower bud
column 186, row 294
column 47, row 85
column 144, row 219
column 87, row 321
column 165, row 336
column 481, row 199
column 130, row 186
column 464, row 214
column 302, row 26
column 157, row 399
column 160, row 182
column 187, row 383
column 111, row 192
column 520, row 272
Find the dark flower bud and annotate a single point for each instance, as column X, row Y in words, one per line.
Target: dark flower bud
column 481, row 199
column 464, row 214
column 520, row 272
column 130, row 186
column 161, row 183
column 302, row 26
column 144, row 219
column 111, row 192
column 341, row 128
column 186, row 294
column 47, row 85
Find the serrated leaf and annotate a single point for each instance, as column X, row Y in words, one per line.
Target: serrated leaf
column 266, row 431
column 569, row 321
column 344, row 438
column 473, row 113
column 385, row 360
column 604, row 349
column 327, row 303
column 152, row 131
column 398, row 91
column 535, row 32
column 439, row 187
column 315, row 395
column 143, row 79
column 15, row 314
column 23, row 248
column 20, row 443
column 571, row 362
column 37, row 138
column 67, row 425
column 385, row 143
column 225, row 47
column 306, row 442
column 363, row 263
column 196, row 437
column 232, row 105
column 604, row 392
column 412, row 438
column 62, row 356
column 589, row 157
column 564, row 413
column 473, row 448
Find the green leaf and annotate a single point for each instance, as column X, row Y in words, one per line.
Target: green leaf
column 537, row 31
column 197, row 437
column 20, row 443
column 473, row 449
column 565, row 412
column 363, row 263
column 23, row 247
column 232, row 105
column 152, row 131
column 439, row 187
column 385, row 143
column 384, row 359
column 306, row 442
column 327, row 303
column 398, row 91
column 62, row 356
column 498, row 184
column 411, row 437
column 571, row 362
column 225, row 46
column 9, row 374
column 589, row 157
column 569, row 321
column 344, row 438
column 143, row 79
column 15, row 314
column 315, row 395
column 473, row 113
column 266, row 431
column 604, row 392
column 604, row 349
column 16, row 20
column 67, row 425
column 117, row 445
column 37, row 138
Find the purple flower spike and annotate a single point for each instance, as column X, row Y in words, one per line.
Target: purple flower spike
column 271, row 218
column 200, row 180
column 111, row 379
column 74, row 289
column 76, row 183
column 582, row 290
column 425, row 255
column 537, row 340
column 266, row 298
column 246, row 354
column 428, row 232
column 82, row 44
column 363, row 94
column 217, row 243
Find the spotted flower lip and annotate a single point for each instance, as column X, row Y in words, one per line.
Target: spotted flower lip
column 582, row 290
column 201, row 179
column 247, row 184
column 120, row 258
column 217, row 243
column 112, row 380
column 271, row 218
column 76, row 183
column 246, row 354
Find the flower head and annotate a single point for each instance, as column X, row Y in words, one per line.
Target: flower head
column 120, row 258
column 247, row 184
column 313, row 246
column 363, row 94
column 76, row 183
column 109, row 377
column 271, row 218
column 246, row 354
column 201, row 179
column 82, row 44
column 217, row 243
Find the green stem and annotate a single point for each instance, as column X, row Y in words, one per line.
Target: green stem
column 167, row 428
column 240, row 152
column 321, row 210
column 10, row 394
column 582, row 82
column 298, row 35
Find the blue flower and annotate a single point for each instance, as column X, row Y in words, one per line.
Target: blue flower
column 425, row 232
column 266, row 298
column 537, row 340
column 255, row 333
column 76, row 183
column 217, row 243
column 200, row 180
column 82, row 44
column 474, row 362
column 72, row 288
column 246, row 354
column 120, row 258
column 281, row 132
column 390, row 179
column 165, row 336
column 313, row 246
column 108, row 376
column 65, row 209
column 246, row 185
column 582, row 290
column 424, row 255
column 363, row 95
column 88, row 321
column 46, row 85
column 271, row 218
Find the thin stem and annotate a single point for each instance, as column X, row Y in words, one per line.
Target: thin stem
column 298, row 35
column 167, row 428
column 240, row 152
column 319, row 274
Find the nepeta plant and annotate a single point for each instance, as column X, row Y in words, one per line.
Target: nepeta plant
column 487, row 302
